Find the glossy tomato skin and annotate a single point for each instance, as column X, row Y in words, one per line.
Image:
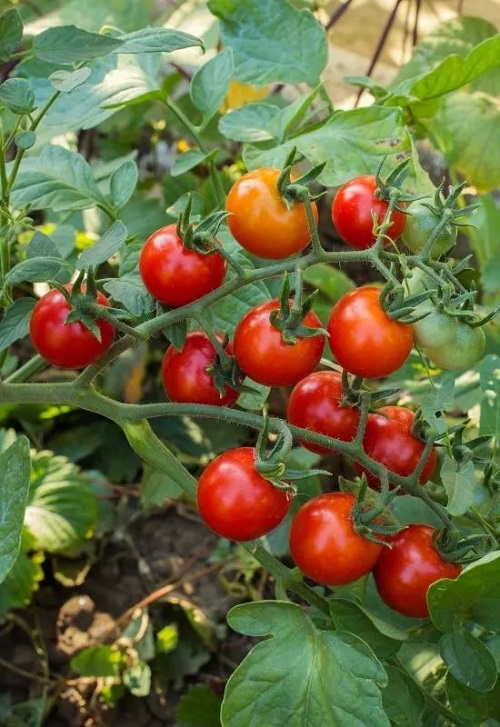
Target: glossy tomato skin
column 185, row 376
column 235, row 501
column 352, row 210
column 363, row 339
column 388, row 440
column 72, row 345
column 260, row 220
column 175, row 275
column 404, row 572
column 315, row 404
column 262, row 354
column 324, row 544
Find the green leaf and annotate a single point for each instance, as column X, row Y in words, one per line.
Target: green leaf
column 254, row 401
column 108, row 245
column 210, row 83
column 186, row 161
column 474, row 708
column 200, row 707
column 473, row 596
column 67, row 81
column 42, row 246
column 157, row 40
column 302, row 676
column 16, row 322
column 15, row 466
column 25, row 139
column 39, row 270
column 156, row 487
column 56, row 179
column 408, row 509
column 251, row 122
column 468, row 659
column 384, row 639
column 272, row 41
column 464, row 144
column 329, row 280
column 62, row 509
column 137, row 679
column 459, row 483
column 489, row 377
column 69, row 44
column 361, row 139
column 17, row 95
column 402, row 699
column 123, row 183
column 131, row 293
column 97, row 661
column 11, row 33
column 23, row 579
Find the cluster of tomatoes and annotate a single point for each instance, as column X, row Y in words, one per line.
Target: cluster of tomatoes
column 234, row 498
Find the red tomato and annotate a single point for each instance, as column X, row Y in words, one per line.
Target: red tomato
column 262, row 354
column 68, row 345
column 404, row 572
column 324, row 544
column 261, row 221
column 175, row 275
column 185, row 373
column 353, row 208
column 235, row 500
column 315, row 404
column 363, row 339
column 390, row 442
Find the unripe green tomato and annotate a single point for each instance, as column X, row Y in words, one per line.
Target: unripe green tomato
column 420, row 223
column 436, row 329
column 465, row 351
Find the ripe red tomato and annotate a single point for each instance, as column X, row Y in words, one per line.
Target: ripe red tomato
column 353, row 208
column 363, row 339
column 175, row 275
column 404, row 572
column 68, row 345
column 260, row 220
column 390, row 442
column 315, row 404
column 185, row 373
column 262, row 354
column 324, row 544
column 235, row 500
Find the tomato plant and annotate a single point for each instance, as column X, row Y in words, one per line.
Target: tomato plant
column 68, row 345
column 363, row 339
column 260, row 219
column 316, row 404
column 357, row 211
column 420, row 222
column 236, row 501
column 165, row 262
column 388, row 440
column 405, row 571
column 324, row 544
column 262, row 353
column 186, row 373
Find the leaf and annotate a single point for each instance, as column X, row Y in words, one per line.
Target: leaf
column 67, row 81
column 468, row 659
column 16, row 94
column 137, row 679
column 361, row 139
column 254, row 401
column 302, row 676
column 62, row 509
column 108, row 245
column 97, row 661
column 123, row 183
column 69, row 44
column 474, row 708
column 157, row 40
column 42, row 246
column 473, row 596
column 330, row 281
column 347, row 616
column 252, row 122
column 459, row 483
column 156, row 487
column 472, row 148
column 39, row 270
column 272, row 41
column 200, row 707
column 402, row 699
column 11, row 33
column 184, row 162
column 131, row 293
column 56, row 179
column 210, row 83
column 23, row 579
column 16, row 322
column 489, row 377
column 15, row 466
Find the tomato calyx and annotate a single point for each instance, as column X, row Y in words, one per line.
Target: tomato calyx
column 298, row 189
column 401, row 308
column 370, row 516
column 288, row 318
column 199, row 236
column 84, row 308
column 456, row 549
